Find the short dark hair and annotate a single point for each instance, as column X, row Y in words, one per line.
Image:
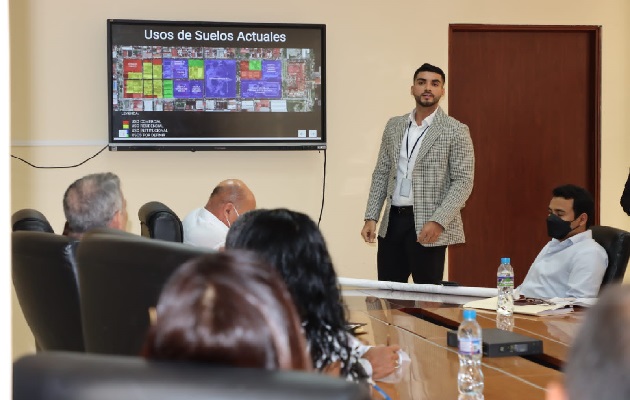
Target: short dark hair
column 598, row 365
column 582, row 201
column 294, row 245
column 430, row 68
column 229, row 308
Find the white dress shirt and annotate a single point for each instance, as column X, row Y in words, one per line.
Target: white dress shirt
column 408, row 154
column 202, row 228
column 573, row 267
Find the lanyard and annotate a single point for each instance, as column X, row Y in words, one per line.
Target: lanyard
column 417, row 140
column 380, row 391
column 414, row 146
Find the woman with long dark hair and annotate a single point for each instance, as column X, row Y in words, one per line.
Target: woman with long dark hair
column 229, row 308
column 292, row 243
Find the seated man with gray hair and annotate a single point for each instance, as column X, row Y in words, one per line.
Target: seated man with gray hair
column 94, row 201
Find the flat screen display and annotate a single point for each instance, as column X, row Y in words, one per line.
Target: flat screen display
column 216, row 86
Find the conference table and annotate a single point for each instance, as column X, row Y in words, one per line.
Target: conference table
column 419, row 322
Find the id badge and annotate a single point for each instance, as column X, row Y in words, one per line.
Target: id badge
column 405, row 187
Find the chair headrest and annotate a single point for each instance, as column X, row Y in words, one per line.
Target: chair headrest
column 67, row 376
column 29, row 219
column 160, row 222
column 616, row 242
column 147, row 210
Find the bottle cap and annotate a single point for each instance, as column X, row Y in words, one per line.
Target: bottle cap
column 505, row 260
column 470, row 314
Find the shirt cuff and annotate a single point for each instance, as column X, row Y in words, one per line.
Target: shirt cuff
column 367, row 366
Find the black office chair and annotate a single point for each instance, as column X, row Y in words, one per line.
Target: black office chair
column 29, row 219
column 121, row 276
column 157, row 221
column 44, row 276
column 64, row 376
column 616, row 242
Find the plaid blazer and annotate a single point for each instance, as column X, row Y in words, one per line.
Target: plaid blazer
column 442, row 176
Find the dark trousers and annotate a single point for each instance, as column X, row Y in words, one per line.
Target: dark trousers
column 400, row 255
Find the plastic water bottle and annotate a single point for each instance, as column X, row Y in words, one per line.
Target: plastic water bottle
column 505, row 286
column 470, row 376
column 505, row 322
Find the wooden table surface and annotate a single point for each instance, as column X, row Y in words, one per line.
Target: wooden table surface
column 432, row 373
column 557, row 332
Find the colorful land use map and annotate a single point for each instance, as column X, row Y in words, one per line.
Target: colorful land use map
column 157, row 78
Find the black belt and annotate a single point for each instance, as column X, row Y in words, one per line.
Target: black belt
column 402, row 210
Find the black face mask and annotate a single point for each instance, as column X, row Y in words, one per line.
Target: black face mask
column 558, row 228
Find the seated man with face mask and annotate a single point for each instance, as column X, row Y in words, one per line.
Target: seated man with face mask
column 572, row 264
column 207, row 226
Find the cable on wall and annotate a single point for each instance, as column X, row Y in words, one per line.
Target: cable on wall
column 62, row 166
column 321, row 211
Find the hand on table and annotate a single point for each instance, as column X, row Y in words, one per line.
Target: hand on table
column 384, row 360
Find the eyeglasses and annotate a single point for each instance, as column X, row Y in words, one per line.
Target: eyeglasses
column 531, row 301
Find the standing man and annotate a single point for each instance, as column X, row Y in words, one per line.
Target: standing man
column 208, row 226
column 424, row 175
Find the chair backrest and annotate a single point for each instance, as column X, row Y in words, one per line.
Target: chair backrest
column 44, row 276
column 28, row 219
column 157, row 221
column 67, row 376
column 120, row 277
column 616, row 242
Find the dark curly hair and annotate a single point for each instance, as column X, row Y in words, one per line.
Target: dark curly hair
column 292, row 242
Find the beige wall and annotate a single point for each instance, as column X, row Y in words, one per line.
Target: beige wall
column 59, row 100
column 5, row 289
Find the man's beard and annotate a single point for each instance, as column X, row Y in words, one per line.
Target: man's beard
column 427, row 103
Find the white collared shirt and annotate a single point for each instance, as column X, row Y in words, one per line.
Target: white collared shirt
column 408, row 155
column 573, row 267
column 204, row 229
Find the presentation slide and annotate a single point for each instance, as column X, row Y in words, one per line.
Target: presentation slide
column 210, row 82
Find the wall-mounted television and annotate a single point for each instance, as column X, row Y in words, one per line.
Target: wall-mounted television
column 216, row 85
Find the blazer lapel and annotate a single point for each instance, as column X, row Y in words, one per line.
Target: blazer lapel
column 401, row 128
column 432, row 134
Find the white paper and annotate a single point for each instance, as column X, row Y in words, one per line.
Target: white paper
column 414, row 287
column 529, row 309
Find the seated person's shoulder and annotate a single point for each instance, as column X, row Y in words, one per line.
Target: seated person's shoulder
column 587, row 265
column 191, row 215
column 589, row 245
